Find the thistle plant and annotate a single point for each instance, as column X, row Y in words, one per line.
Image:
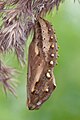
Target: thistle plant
column 18, row 20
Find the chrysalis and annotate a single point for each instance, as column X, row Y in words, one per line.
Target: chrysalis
column 41, row 61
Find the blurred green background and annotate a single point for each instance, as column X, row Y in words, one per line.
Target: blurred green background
column 64, row 104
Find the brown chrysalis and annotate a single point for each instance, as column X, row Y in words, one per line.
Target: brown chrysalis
column 41, row 61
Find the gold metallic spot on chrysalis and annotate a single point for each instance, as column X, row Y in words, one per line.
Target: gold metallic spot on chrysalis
column 49, row 29
column 32, row 90
column 49, row 70
column 48, row 75
column 52, row 55
column 52, row 46
column 51, row 37
column 37, row 80
column 47, row 90
column 51, row 62
column 39, row 103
